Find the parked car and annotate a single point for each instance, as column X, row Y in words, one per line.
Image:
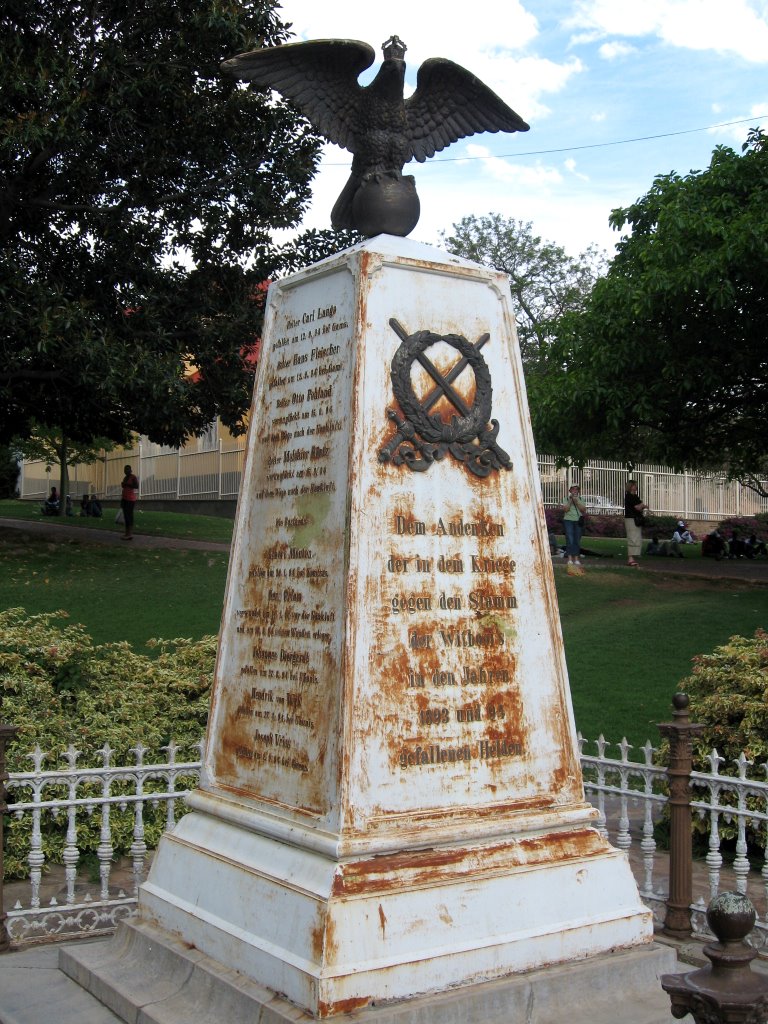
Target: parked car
column 597, row 505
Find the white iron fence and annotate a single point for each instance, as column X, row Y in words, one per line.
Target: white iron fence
column 215, row 473
column 730, row 813
column 630, row 797
column 91, row 901
column 689, row 495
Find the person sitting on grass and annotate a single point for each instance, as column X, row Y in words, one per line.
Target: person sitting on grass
column 713, row 545
column 51, row 504
column 663, row 548
column 682, row 534
column 754, row 547
column 737, row 548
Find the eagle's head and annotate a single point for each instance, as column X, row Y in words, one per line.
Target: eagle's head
column 394, row 49
column 388, row 83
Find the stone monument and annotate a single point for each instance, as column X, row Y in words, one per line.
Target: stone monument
column 391, row 806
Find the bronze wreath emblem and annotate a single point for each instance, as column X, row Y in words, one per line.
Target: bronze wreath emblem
column 421, row 438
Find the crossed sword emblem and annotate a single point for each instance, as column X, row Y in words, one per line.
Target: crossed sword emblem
column 443, row 387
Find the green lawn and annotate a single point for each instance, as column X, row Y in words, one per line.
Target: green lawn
column 629, row 637
column 125, row 593
column 629, row 641
column 153, row 524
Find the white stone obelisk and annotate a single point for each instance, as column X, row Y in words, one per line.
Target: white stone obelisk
column 391, row 801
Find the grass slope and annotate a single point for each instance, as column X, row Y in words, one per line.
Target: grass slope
column 117, row 594
column 629, row 637
column 629, row 641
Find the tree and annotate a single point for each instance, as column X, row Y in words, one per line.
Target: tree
column 9, row 472
column 138, row 191
column 313, row 245
column 52, row 446
column 546, row 283
column 668, row 362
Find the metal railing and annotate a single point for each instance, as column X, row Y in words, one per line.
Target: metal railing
column 90, row 898
column 215, row 474
column 631, row 797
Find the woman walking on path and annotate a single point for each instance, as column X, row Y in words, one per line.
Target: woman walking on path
column 634, row 506
column 573, row 524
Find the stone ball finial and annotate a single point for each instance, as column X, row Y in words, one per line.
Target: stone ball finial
column 680, row 701
column 731, row 916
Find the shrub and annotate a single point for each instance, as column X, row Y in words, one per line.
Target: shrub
column 746, row 525
column 596, row 526
column 554, row 517
column 58, row 688
column 728, row 690
column 605, row 526
column 664, row 526
column 9, row 473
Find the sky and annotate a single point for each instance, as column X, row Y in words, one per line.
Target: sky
column 616, row 92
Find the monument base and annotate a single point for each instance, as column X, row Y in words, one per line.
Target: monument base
column 334, row 935
column 147, row 976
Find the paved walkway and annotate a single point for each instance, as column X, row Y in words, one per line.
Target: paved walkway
column 753, row 570
column 747, row 570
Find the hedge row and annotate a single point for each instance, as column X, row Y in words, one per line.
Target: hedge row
column 664, row 526
column 58, row 687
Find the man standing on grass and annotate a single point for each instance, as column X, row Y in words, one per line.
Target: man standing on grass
column 130, row 486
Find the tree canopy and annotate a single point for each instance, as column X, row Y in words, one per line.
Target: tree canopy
column 546, row 282
column 668, row 362
column 138, row 191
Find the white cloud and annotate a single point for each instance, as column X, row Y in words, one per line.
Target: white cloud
column 597, row 116
column 612, row 51
column 524, row 83
column 738, row 26
column 493, row 44
column 502, row 170
column 570, row 165
column 736, row 134
column 427, row 27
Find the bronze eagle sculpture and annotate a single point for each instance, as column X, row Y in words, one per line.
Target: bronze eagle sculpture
column 375, row 123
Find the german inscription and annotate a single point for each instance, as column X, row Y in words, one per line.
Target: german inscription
column 282, row 623
column 450, row 581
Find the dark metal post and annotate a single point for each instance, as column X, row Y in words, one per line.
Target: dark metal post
column 680, row 732
column 728, row 991
column 7, row 732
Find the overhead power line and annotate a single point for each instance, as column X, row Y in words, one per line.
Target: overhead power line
column 592, row 145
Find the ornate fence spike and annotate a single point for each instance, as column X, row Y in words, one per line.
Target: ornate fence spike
column 624, row 748
column 37, row 757
column 71, row 755
column 171, row 750
column 648, row 751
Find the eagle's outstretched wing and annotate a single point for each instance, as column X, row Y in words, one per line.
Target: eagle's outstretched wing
column 451, row 103
column 319, row 76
